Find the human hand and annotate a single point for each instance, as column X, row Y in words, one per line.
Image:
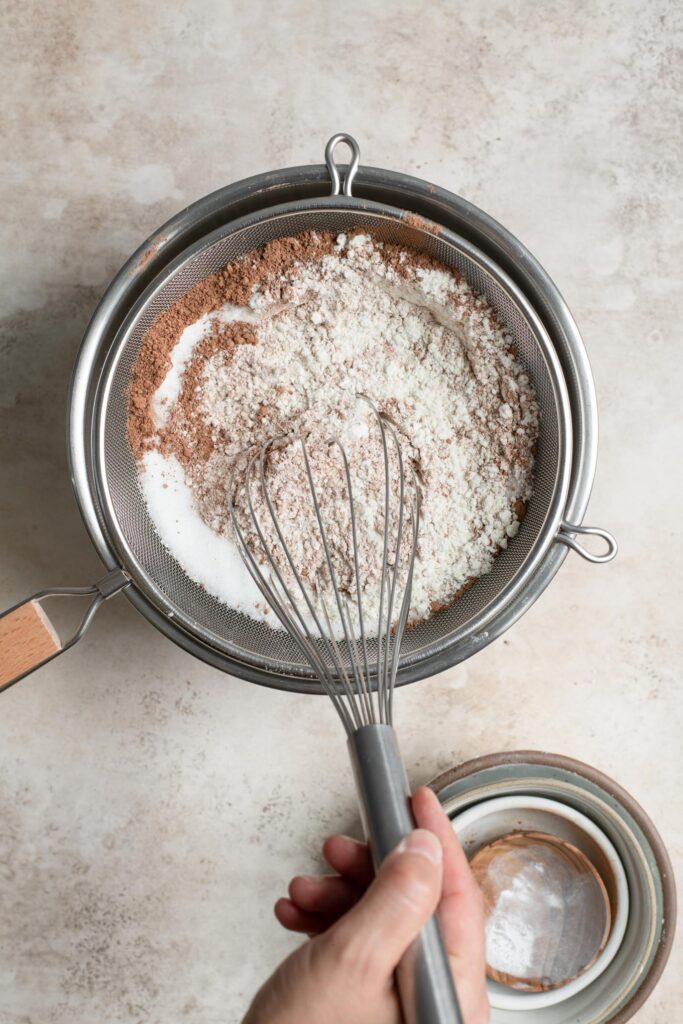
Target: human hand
column 361, row 925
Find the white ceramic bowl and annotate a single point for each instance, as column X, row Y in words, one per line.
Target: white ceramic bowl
column 619, row 993
column 491, row 819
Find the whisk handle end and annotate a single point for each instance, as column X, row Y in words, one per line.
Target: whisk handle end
column 424, row 976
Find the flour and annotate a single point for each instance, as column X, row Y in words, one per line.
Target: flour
column 169, row 390
column 545, row 922
column 355, row 319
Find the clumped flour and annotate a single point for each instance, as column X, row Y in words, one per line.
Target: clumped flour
column 282, row 342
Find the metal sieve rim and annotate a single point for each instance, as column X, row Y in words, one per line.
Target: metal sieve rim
column 194, row 625
column 420, row 197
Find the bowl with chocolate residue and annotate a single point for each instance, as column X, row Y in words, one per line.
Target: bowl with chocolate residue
column 557, row 894
column 618, row 990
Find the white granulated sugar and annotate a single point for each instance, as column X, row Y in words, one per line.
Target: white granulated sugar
column 207, row 557
column 168, row 391
column 427, row 351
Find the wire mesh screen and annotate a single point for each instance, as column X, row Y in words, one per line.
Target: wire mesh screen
column 163, row 580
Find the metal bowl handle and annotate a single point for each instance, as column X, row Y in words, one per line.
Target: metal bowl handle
column 565, row 536
column 333, row 167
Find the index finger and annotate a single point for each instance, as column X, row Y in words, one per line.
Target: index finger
column 349, row 858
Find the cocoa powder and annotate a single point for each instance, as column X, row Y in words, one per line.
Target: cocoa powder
column 185, row 433
column 233, row 284
column 310, row 307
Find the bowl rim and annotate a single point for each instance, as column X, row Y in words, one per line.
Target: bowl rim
column 631, row 805
column 415, row 665
column 268, row 189
column 532, row 1000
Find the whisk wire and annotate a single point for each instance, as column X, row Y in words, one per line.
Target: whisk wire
column 346, row 627
column 367, row 690
column 294, row 623
column 382, row 634
column 393, row 644
column 405, row 604
column 330, row 630
column 328, row 681
column 329, row 642
column 346, row 683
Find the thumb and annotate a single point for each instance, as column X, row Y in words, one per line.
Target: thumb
column 399, row 901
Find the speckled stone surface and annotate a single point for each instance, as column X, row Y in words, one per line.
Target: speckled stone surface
column 152, row 809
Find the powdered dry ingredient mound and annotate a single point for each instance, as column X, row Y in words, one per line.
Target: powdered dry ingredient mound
column 282, row 342
column 355, row 425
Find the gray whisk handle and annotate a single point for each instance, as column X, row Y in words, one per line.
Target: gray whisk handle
column 424, row 978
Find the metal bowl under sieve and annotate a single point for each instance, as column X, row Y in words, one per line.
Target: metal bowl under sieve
column 224, row 227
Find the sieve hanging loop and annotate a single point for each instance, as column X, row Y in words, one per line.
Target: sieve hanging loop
column 333, row 168
column 564, row 536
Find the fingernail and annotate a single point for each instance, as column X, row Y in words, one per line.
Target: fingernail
column 424, row 843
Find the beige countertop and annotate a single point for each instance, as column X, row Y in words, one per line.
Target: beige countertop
column 151, row 808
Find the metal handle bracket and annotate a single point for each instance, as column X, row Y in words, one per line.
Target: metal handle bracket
column 28, row 637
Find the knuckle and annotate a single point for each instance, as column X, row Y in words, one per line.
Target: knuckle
column 413, row 887
column 354, row 957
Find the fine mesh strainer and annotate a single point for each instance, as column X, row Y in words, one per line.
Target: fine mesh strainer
column 237, row 643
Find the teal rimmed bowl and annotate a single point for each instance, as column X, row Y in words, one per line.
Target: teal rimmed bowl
column 616, row 995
